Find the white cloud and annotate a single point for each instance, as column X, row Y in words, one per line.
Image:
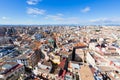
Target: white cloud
column 59, row 14
column 4, row 18
column 61, row 19
column 99, row 20
column 35, row 11
column 33, row 2
column 72, row 20
column 86, row 9
column 55, row 17
column 105, row 20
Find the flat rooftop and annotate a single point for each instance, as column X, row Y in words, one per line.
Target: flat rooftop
column 6, row 67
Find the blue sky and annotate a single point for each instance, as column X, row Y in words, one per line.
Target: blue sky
column 60, row 12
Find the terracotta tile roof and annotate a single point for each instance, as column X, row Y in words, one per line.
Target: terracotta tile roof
column 62, row 63
column 85, row 73
column 36, row 44
column 80, row 44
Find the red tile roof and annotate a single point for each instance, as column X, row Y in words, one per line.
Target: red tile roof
column 62, row 63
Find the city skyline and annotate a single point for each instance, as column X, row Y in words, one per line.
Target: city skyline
column 59, row 12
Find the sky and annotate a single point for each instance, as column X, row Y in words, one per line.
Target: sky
column 84, row 12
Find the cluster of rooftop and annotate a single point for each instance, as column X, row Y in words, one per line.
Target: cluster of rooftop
column 59, row 53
